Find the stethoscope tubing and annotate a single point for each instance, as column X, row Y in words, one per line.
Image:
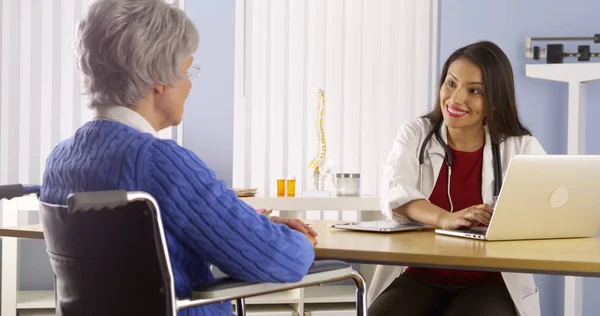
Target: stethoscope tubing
column 496, row 160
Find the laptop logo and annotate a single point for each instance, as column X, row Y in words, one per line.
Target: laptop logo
column 558, row 197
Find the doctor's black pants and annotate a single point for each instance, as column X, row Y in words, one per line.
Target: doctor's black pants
column 410, row 296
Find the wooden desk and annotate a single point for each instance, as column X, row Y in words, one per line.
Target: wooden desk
column 28, row 231
column 572, row 257
column 580, row 256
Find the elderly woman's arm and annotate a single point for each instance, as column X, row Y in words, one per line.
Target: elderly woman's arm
column 204, row 216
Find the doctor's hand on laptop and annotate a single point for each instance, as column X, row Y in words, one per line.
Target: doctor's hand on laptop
column 469, row 217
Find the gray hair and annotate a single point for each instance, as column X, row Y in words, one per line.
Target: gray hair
column 125, row 47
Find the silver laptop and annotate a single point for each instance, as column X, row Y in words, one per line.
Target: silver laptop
column 542, row 197
column 381, row 226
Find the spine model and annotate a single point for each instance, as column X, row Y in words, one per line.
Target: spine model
column 316, row 163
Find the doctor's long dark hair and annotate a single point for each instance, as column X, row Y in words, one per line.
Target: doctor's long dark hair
column 501, row 114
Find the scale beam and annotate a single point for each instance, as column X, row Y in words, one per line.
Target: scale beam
column 555, row 54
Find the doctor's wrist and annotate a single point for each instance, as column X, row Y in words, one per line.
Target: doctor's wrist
column 442, row 219
column 421, row 210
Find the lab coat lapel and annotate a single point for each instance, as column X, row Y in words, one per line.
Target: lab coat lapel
column 436, row 154
column 487, row 172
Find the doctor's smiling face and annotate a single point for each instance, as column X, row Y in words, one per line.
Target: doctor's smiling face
column 477, row 88
column 461, row 96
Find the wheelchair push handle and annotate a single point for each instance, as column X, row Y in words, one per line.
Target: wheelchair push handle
column 11, row 191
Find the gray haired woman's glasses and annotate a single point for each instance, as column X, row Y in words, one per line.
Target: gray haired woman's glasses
column 193, row 72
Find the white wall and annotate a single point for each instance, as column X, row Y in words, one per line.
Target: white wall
column 208, row 115
column 373, row 59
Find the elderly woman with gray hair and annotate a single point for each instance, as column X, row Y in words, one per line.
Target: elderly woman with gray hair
column 136, row 57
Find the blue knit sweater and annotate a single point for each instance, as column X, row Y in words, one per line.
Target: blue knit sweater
column 205, row 223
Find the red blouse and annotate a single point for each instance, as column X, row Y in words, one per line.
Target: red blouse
column 465, row 189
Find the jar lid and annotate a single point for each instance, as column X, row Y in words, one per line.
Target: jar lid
column 348, row 175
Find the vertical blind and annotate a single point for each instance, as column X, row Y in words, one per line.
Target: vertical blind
column 41, row 100
column 40, row 95
column 375, row 59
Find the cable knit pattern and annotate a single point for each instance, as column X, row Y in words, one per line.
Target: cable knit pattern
column 205, row 223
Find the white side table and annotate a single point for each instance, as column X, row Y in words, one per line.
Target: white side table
column 365, row 203
column 576, row 75
column 298, row 206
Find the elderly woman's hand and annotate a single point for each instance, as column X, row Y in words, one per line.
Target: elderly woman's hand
column 298, row 225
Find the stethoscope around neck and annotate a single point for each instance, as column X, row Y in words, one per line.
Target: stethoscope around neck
column 497, row 163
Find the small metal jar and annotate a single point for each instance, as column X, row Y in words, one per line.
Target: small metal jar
column 348, row 184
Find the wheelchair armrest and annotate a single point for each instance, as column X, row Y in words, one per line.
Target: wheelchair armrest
column 222, row 283
column 227, row 288
column 327, row 265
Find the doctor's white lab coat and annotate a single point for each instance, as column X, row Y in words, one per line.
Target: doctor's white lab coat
column 401, row 183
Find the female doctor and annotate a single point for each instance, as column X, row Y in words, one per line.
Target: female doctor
column 445, row 169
